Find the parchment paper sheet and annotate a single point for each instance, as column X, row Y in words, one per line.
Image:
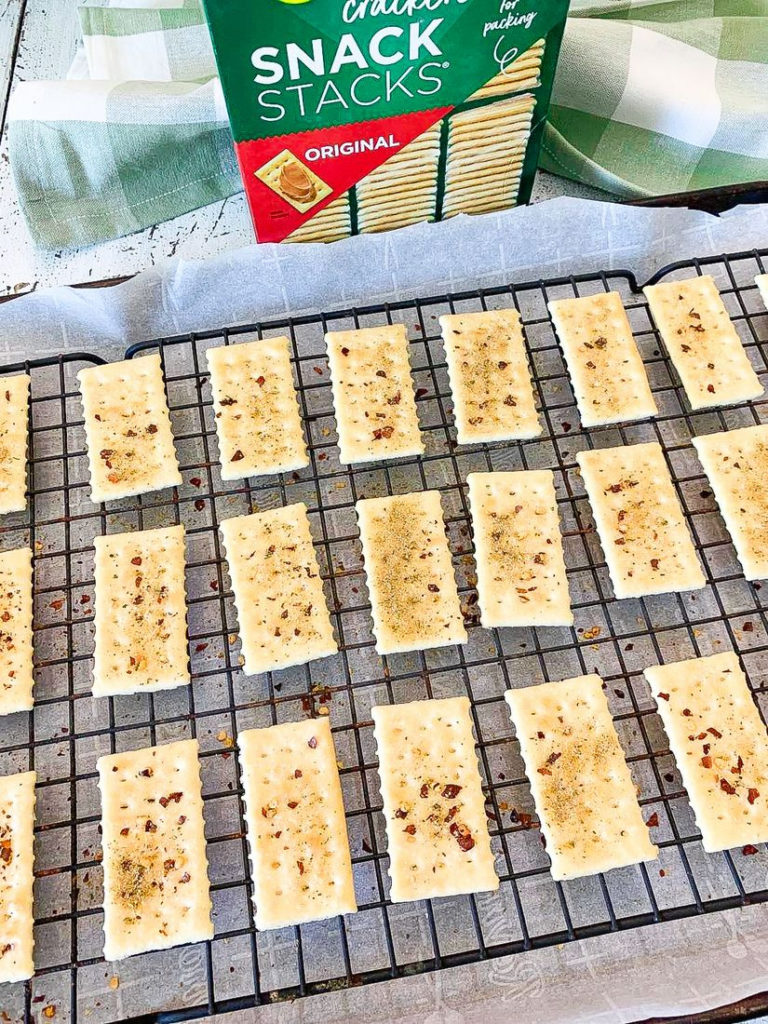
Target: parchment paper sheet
column 674, row 968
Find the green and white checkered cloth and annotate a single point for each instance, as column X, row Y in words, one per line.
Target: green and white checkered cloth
column 651, row 96
column 659, row 96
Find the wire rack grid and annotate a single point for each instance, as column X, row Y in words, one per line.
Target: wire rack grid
column 68, row 730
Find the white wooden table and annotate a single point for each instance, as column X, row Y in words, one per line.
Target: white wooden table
column 38, row 39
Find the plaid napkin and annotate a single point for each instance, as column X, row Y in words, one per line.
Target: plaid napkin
column 651, row 96
column 658, row 96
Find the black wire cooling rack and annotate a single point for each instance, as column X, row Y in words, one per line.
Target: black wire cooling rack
column 68, row 730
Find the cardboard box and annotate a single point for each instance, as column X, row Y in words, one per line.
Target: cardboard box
column 352, row 116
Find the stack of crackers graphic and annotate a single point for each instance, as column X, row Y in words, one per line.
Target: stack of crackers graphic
column 469, row 162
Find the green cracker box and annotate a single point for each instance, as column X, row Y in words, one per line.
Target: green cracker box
column 352, row 116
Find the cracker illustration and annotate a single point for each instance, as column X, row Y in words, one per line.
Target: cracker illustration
column 581, row 785
column 490, row 379
column 639, row 520
column 293, row 181
column 437, row 830
column 297, row 833
column 373, row 394
column 702, row 342
column 414, row 600
column 521, row 577
column 720, row 746
column 156, row 891
column 329, row 225
column 14, row 413
column 257, row 413
column 128, row 428
column 519, row 74
column 17, row 822
column 279, row 596
column 141, row 612
column 16, row 676
column 604, row 365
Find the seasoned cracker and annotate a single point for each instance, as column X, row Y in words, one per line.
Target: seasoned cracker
column 414, row 600
column 257, row 413
column 373, row 394
column 279, row 596
column 297, row 833
column 603, row 362
column 437, row 830
column 702, row 342
column 521, row 577
column 16, row 655
column 128, row 429
column 14, row 417
column 639, row 520
column 736, row 463
column 141, row 612
column 156, row 891
column 490, row 380
column 293, row 181
column 720, row 745
column 581, row 785
column 17, row 823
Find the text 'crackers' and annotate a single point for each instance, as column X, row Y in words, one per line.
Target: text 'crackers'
column 521, row 577
column 141, row 612
column 156, row 891
column 17, row 821
column 128, row 429
column 736, row 462
column 702, row 342
column 639, row 520
column 607, row 373
column 373, row 394
column 297, row 834
column 720, row 746
column 279, row 596
column 256, row 409
column 414, row 600
column 437, row 831
column 581, row 785
column 490, row 380
column 16, row 654
column 14, row 413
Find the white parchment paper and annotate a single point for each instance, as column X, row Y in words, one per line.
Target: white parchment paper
column 558, row 237
column 674, row 968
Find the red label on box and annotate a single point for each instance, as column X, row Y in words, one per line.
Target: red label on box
column 291, row 178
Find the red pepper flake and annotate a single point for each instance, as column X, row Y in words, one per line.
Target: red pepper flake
column 433, row 588
column 214, row 584
column 298, row 773
column 554, row 757
column 293, row 804
column 424, row 791
column 261, row 381
column 748, row 627
column 462, row 835
column 150, row 826
column 237, row 457
column 752, row 795
column 727, row 787
column 300, row 866
column 451, row 791
column 401, row 813
column 195, row 481
column 654, row 563
column 706, row 761
column 715, row 733
column 749, row 850
column 410, row 829
column 420, row 392
column 345, row 351
column 186, row 877
column 653, row 821
column 318, row 370
column 687, row 712
column 199, row 505
column 543, row 771
column 200, row 647
column 312, row 742
column 383, row 432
